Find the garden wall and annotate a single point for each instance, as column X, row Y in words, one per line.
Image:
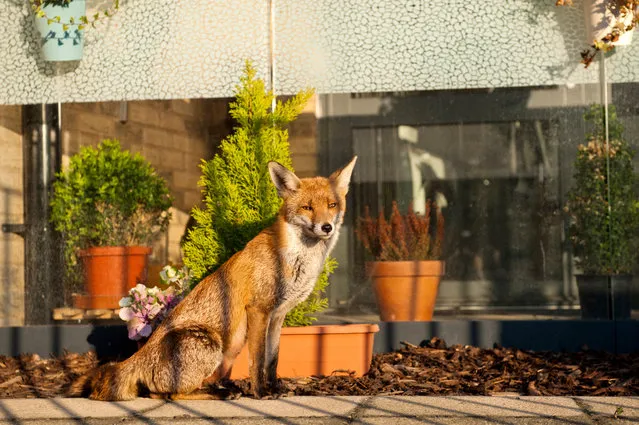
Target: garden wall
column 11, row 211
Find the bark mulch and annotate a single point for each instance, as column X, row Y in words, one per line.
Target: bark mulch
column 432, row 369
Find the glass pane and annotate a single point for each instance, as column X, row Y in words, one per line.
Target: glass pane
column 497, row 162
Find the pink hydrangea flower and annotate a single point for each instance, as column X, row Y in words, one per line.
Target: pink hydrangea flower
column 144, row 308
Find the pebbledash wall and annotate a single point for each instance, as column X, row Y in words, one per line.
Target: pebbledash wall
column 173, row 135
column 170, row 49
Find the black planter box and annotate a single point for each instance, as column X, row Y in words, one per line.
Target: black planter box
column 605, row 297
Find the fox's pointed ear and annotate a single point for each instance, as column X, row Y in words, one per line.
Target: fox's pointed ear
column 342, row 177
column 284, row 180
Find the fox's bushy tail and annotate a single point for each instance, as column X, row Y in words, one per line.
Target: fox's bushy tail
column 109, row 382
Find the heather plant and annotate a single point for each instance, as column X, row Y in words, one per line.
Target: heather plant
column 602, row 204
column 239, row 198
column 403, row 237
column 145, row 308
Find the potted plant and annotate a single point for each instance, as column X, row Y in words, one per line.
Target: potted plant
column 604, row 210
column 109, row 205
column 609, row 23
column 239, row 201
column 61, row 25
column 406, row 270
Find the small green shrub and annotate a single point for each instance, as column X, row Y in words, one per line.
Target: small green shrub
column 108, row 197
column 603, row 204
column 239, row 197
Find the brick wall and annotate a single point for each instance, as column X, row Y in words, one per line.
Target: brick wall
column 303, row 141
column 11, row 211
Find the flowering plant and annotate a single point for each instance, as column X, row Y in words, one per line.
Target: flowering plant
column 624, row 17
column 144, row 308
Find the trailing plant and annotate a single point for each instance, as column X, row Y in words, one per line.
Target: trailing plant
column 403, row 237
column 602, row 204
column 627, row 18
column 239, row 198
column 108, row 197
column 38, row 9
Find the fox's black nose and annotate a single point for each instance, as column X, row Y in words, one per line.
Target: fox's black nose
column 327, row 228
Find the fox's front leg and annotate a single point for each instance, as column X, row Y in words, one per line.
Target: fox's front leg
column 273, row 349
column 258, row 322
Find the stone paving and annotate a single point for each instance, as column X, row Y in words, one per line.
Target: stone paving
column 395, row 410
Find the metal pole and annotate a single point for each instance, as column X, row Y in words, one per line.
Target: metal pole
column 43, row 254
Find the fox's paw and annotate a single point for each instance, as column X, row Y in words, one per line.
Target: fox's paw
column 260, row 391
column 277, row 387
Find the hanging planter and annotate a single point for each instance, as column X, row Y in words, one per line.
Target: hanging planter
column 61, row 24
column 609, row 23
column 609, row 20
column 61, row 41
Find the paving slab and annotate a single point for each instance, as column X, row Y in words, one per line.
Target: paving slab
column 449, row 420
column 486, row 406
column 607, row 406
column 289, row 407
column 398, row 410
column 61, row 408
column 190, row 421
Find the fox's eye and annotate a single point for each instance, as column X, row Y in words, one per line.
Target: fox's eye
column 332, row 205
column 307, row 208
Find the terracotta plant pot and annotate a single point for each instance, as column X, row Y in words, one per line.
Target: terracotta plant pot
column 109, row 273
column 600, row 21
column 406, row 290
column 318, row 350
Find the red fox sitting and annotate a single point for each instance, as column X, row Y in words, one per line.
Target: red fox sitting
column 246, row 298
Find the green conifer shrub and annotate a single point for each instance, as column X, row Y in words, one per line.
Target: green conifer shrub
column 239, row 197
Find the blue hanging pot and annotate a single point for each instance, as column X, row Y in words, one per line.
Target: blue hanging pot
column 62, row 41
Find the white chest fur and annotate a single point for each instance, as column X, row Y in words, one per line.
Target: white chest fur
column 304, row 259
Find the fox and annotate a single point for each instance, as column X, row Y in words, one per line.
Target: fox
column 245, row 299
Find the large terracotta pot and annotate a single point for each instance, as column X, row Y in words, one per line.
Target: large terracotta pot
column 318, row 350
column 109, row 273
column 406, row 290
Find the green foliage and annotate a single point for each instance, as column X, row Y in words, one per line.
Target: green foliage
column 80, row 22
column 239, row 197
column 603, row 204
column 108, row 197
